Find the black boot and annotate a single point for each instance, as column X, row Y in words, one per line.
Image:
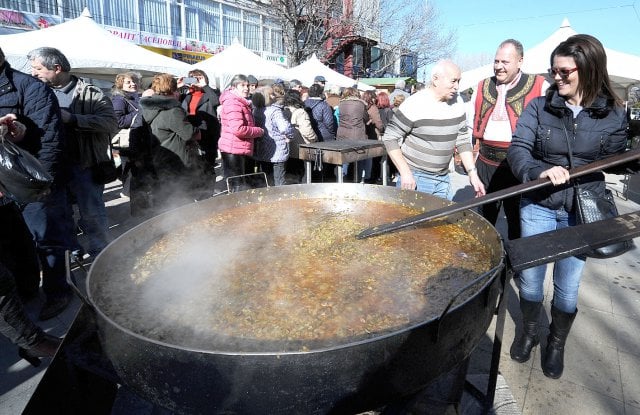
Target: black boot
column 521, row 347
column 553, row 363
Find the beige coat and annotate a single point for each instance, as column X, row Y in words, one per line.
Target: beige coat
column 303, row 130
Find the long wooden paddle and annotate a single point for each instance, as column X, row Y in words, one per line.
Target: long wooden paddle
column 499, row 195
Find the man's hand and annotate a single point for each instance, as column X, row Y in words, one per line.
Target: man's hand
column 475, row 181
column 67, row 117
column 407, row 181
column 13, row 129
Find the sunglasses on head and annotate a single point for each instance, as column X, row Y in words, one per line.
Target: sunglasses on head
column 563, row 72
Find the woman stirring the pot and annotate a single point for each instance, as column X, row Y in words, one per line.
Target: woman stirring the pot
column 580, row 110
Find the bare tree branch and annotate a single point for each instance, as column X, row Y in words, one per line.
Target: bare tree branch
column 399, row 27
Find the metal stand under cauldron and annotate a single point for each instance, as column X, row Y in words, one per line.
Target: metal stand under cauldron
column 81, row 379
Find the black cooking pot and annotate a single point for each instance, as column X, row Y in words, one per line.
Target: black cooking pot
column 350, row 377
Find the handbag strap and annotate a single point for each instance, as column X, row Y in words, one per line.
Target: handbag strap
column 566, row 136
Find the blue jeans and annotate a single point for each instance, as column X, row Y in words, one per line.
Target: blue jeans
column 93, row 213
column 52, row 228
column 362, row 166
column 430, row 183
column 535, row 219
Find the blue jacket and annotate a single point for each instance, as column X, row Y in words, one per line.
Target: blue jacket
column 36, row 106
column 540, row 143
column 324, row 119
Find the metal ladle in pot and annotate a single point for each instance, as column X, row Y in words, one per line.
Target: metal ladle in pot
column 499, row 195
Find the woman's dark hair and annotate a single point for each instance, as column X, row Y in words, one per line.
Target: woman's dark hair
column 316, row 90
column 591, row 61
column 292, row 98
column 199, row 72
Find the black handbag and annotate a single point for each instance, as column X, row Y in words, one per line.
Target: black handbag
column 104, row 172
column 590, row 207
column 22, row 177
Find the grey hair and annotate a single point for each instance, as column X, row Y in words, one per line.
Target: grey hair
column 238, row 79
column 50, row 57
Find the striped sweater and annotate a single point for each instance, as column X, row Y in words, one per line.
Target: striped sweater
column 427, row 131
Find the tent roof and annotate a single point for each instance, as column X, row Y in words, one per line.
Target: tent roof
column 237, row 59
column 624, row 69
column 91, row 50
column 383, row 81
column 312, row 67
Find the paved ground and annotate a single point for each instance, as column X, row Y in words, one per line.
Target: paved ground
column 603, row 350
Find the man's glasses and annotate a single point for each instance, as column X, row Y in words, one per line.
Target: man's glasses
column 564, row 73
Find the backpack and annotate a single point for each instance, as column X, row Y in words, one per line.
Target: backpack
column 314, row 123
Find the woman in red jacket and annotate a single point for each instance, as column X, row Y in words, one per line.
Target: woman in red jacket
column 238, row 129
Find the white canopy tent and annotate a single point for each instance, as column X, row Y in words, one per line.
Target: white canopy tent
column 312, row 67
column 237, row 59
column 624, row 69
column 91, row 50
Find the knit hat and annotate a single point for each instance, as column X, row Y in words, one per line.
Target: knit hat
column 252, row 80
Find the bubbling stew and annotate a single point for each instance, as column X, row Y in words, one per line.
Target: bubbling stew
column 293, row 272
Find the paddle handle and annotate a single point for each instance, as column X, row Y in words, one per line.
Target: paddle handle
column 499, row 195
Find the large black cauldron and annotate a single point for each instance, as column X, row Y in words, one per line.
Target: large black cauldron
column 347, row 378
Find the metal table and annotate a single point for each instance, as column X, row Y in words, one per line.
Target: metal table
column 340, row 152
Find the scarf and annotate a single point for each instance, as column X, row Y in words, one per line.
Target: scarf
column 500, row 111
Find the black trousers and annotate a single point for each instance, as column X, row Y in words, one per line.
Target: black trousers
column 18, row 250
column 497, row 178
column 14, row 322
column 235, row 165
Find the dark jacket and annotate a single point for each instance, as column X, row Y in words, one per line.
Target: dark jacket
column 125, row 106
column 206, row 118
column 171, row 129
column 325, row 122
column 540, row 143
column 36, row 106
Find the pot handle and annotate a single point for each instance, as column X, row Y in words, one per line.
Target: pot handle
column 492, row 271
column 71, row 280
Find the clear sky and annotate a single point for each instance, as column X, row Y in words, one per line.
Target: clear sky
column 482, row 24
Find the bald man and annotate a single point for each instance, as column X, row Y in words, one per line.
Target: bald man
column 423, row 133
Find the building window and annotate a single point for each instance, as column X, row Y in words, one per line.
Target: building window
column 73, row 8
column 252, row 31
column 121, row 13
column 231, row 24
column 153, row 17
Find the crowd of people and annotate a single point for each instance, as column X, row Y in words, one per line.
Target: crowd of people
column 169, row 138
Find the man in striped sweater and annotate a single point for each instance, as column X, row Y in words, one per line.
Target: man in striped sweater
column 423, row 133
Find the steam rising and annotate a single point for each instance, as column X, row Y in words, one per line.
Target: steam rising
column 292, row 275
